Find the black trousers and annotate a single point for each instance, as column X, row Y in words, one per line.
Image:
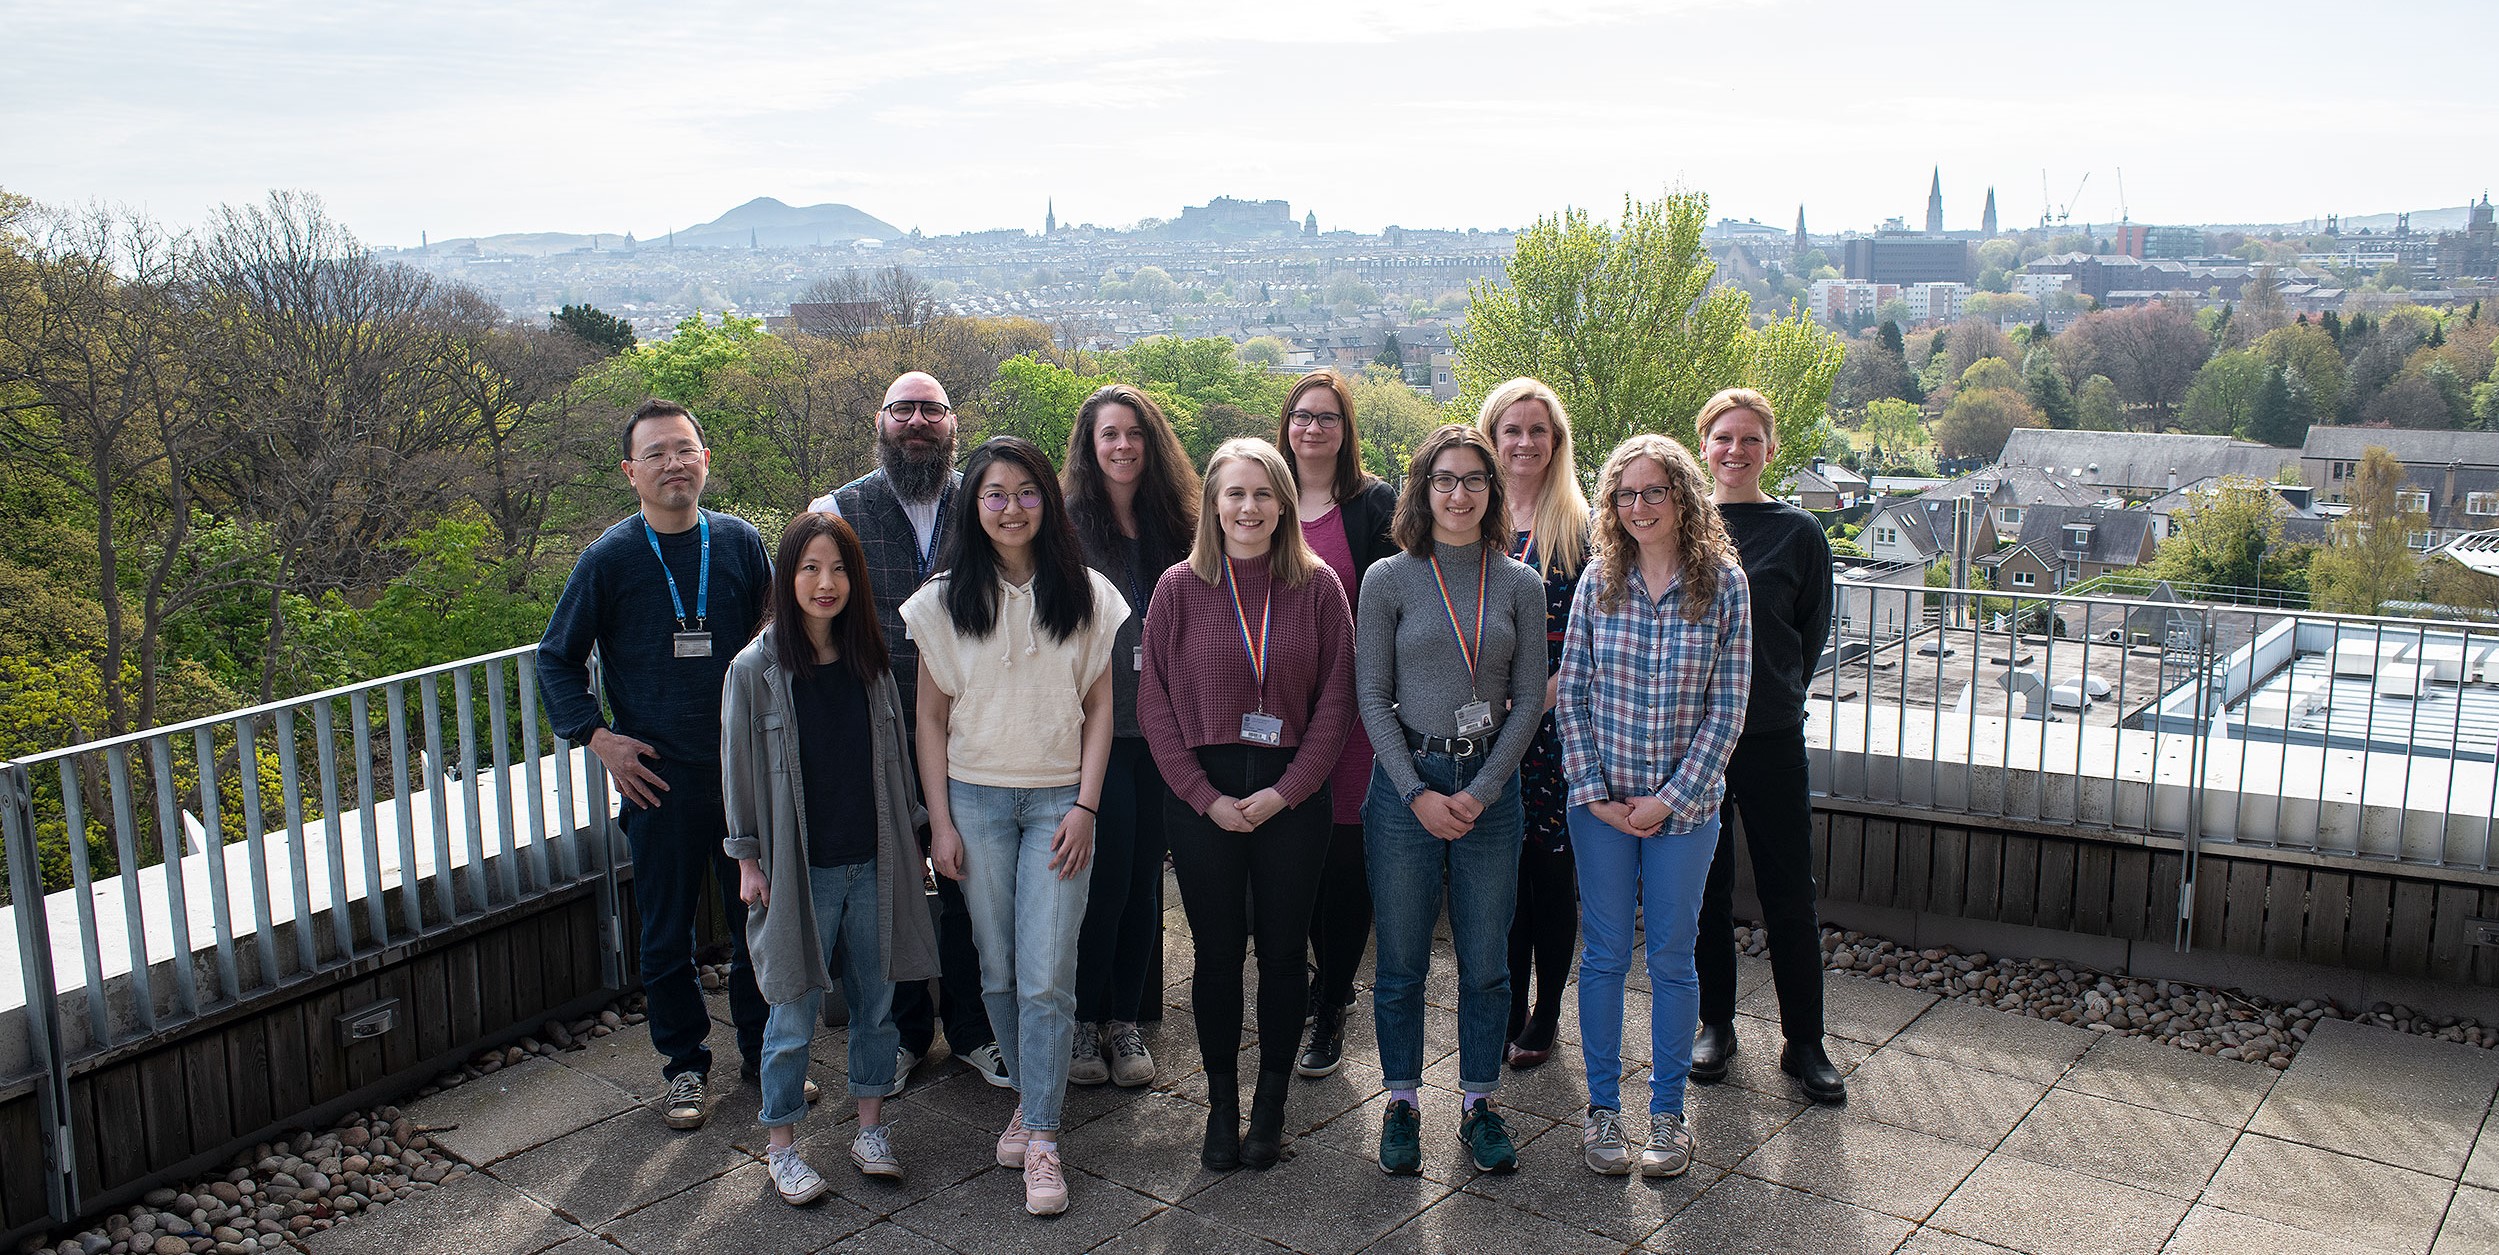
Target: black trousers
column 1122, row 936
column 1544, row 933
column 958, row 985
column 1340, row 925
column 1767, row 785
column 1232, row 883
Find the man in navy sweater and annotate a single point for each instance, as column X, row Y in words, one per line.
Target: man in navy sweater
column 666, row 598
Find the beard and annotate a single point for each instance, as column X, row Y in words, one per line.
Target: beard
column 916, row 470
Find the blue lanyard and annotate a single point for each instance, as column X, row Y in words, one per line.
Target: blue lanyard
column 702, row 581
column 936, row 533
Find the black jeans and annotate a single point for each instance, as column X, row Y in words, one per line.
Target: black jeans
column 1340, row 925
column 958, row 983
column 1544, row 933
column 1123, row 929
column 1767, row 785
column 1219, row 872
column 675, row 845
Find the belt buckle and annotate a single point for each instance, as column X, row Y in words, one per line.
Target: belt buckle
column 1462, row 747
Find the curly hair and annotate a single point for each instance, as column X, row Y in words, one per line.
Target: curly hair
column 1705, row 552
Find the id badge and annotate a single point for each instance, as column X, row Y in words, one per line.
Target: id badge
column 1136, row 659
column 693, row 644
column 1262, row 729
column 1474, row 717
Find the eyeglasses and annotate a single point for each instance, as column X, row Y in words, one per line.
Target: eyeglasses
column 995, row 500
column 1444, row 483
column 927, row 411
column 666, row 458
column 1312, row 418
column 1654, row 494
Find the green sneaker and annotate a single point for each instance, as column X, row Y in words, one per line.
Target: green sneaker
column 1487, row 1139
column 1401, row 1140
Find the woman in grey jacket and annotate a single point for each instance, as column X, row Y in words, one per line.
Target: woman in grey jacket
column 816, row 778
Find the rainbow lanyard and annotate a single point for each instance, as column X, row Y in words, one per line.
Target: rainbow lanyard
column 1257, row 650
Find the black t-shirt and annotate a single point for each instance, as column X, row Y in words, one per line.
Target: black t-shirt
column 1787, row 561
column 837, row 756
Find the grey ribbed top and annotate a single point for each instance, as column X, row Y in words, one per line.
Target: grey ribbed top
column 1410, row 673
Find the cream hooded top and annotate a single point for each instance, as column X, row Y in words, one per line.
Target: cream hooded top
column 1019, row 696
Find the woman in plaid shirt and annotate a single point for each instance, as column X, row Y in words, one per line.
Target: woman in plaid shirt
column 1656, row 667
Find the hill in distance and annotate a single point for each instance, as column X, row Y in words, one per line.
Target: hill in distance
column 763, row 221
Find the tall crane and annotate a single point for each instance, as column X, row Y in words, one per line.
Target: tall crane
column 2053, row 214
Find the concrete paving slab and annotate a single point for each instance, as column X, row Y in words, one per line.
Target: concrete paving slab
column 1750, row 974
column 1756, row 1062
column 623, row 1059
column 2209, row 1230
column 2482, row 1168
column 1555, row 1090
column 1465, row 1221
column 885, row 1238
column 701, row 1220
column 505, row 1112
column 1357, row 1133
column 1860, row 1010
column 622, row 1163
column 1150, row 1146
column 2306, row 1188
column 1745, row 1214
column 2049, row 1211
column 2165, row 1078
column 985, row 1215
column 474, row 1213
column 1943, row 1099
column 936, row 1152
column 2016, row 1045
column 2472, row 1223
column 2120, row 1142
column 1938, row 1242
column 1179, row 1231
column 1554, row 1183
column 1851, row 1159
column 2413, row 1102
column 1322, row 1202
column 1310, row 1102
column 1728, row 1122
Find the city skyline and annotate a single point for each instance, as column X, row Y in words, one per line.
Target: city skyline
column 467, row 120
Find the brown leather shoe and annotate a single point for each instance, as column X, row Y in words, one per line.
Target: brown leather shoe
column 1521, row 1059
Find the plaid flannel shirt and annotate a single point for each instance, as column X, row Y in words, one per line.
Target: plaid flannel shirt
column 1651, row 702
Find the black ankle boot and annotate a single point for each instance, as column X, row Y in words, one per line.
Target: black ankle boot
column 1813, row 1071
column 1710, row 1050
column 1265, row 1142
column 1222, row 1151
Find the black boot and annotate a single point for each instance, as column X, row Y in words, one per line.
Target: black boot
column 1222, row 1151
column 1265, row 1142
column 1812, row 1069
column 1711, row 1049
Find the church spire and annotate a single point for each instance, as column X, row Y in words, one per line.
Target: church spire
column 1987, row 217
column 1803, row 241
column 1050, row 218
column 1935, row 204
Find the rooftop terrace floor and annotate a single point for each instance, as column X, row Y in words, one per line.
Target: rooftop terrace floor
column 1967, row 1130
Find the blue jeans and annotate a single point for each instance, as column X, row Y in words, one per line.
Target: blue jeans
column 1025, row 919
column 1660, row 879
column 675, row 845
column 844, row 900
column 1408, row 867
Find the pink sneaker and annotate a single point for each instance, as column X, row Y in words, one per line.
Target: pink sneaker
column 1045, row 1183
column 1012, row 1142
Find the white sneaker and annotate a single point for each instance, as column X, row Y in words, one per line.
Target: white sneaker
column 991, row 1064
column 904, row 1061
column 798, row 1183
column 1669, row 1152
column 1014, row 1140
column 1084, row 1061
column 1131, row 1066
column 872, row 1152
column 1045, row 1183
column 1601, row 1142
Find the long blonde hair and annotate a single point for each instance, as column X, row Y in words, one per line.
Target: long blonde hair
column 1289, row 557
column 1561, row 534
column 1705, row 551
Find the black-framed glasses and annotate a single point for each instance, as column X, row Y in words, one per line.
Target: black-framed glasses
column 995, row 500
column 1474, row 482
column 1654, row 494
column 663, row 459
column 1314, row 418
column 925, row 411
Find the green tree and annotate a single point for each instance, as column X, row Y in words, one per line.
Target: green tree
column 2097, row 407
column 2224, row 541
column 1037, row 400
column 1392, row 354
column 595, row 327
column 2369, row 559
column 1623, row 322
column 1895, row 426
column 2222, row 400
column 1977, row 421
column 2278, row 415
column 2313, row 352
column 2046, row 386
column 1265, row 351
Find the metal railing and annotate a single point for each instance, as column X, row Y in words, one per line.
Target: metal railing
column 182, row 871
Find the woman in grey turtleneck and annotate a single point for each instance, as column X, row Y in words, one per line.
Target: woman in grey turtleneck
column 1449, row 665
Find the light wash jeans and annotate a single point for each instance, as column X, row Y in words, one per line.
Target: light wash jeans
column 1660, row 878
column 1025, row 919
column 845, row 901
column 1409, row 868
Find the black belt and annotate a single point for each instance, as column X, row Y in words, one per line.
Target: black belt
column 1454, row 746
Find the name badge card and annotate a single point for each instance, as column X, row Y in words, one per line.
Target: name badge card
column 1262, row 729
column 692, row 644
column 1474, row 717
column 1136, row 659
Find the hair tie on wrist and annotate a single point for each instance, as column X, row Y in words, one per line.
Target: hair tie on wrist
column 1088, row 810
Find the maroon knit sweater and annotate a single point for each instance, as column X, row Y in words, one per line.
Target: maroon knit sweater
column 1198, row 681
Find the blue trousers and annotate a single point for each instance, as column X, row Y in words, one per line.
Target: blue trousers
column 844, row 902
column 1410, row 869
column 1660, row 880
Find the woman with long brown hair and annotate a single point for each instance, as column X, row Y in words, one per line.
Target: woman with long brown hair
column 1656, row 669
column 1133, row 497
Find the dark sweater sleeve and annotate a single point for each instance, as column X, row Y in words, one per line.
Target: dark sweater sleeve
column 1813, row 599
column 1156, row 714
column 564, row 655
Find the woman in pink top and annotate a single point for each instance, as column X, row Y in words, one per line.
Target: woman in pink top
column 1346, row 512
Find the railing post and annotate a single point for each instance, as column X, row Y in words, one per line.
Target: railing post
column 2190, row 841
column 43, row 1029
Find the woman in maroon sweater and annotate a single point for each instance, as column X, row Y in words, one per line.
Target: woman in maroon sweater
column 1245, row 701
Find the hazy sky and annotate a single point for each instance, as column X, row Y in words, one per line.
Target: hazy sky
column 464, row 118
